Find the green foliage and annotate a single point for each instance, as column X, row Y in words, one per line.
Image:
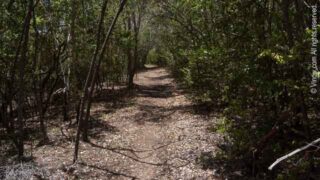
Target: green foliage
column 249, row 60
column 158, row 57
column 252, row 61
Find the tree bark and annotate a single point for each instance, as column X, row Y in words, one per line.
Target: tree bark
column 21, row 88
column 91, row 77
column 130, row 58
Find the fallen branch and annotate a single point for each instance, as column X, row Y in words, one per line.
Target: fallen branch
column 293, row 153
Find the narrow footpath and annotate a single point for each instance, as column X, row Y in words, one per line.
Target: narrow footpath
column 156, row 135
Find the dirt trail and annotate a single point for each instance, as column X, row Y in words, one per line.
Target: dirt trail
column 155, row 135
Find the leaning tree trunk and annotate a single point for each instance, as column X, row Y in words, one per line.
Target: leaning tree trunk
column 82, row 124
column 91, row 77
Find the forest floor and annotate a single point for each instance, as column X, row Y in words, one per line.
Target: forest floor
column 155, row 133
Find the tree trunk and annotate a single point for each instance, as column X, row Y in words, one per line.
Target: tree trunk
column 21, row 88
column 130, row 58
column 74, row 59
column 91, row 77
column 37, row 83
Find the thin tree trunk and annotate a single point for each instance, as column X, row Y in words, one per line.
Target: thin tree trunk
column 22, row 64
column 136, row 28
column 37, row 84
column 96, row 70
column 74, row 59
column 83, row 101
column 91, row 77
column 130, row 58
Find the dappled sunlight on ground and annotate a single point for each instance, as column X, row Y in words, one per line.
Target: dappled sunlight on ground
column 153, row 134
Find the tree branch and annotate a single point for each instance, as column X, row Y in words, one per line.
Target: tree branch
column 293, row 153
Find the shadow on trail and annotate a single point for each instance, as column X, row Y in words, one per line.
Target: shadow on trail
column 134, row 155
column 110, row 172
column 155, row 91
column 159, row 114
column 98, row 126
column 154, row 113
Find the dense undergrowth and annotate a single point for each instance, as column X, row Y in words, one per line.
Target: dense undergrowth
column 252, row 61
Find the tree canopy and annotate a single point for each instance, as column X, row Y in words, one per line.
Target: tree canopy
column 253, row 64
